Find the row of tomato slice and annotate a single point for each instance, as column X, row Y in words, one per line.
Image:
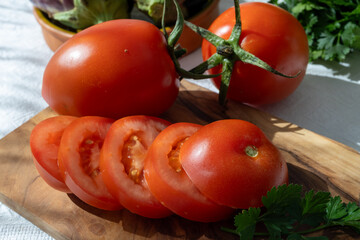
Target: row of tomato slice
column 154, row 168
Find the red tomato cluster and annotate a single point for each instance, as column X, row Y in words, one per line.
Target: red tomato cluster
column 154, row 168
column 123, row 67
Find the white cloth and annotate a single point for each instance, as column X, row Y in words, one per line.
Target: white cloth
column 327, row 102
column 23, row 57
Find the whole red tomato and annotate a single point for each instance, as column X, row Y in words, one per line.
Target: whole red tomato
column 274, row 36
column 112, row 69
column 233, row 163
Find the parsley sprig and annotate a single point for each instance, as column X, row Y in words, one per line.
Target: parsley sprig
column 332, row 27
column 290, row 213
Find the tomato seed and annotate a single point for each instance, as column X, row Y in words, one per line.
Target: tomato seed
column 173, row 156
column 94, row 173
column 89, row 141
column 88, row 150
column 133, row 157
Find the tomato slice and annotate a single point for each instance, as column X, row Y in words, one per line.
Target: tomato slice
column 79, row 156
column 44, row 144
column 233, row 163
column 170, row 184
column 122, row 163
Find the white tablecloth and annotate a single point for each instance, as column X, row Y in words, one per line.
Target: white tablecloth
column 327, row 102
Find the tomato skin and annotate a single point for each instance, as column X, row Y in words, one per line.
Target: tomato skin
column 112, row 69
column 78, row 157
column 44, row 144
column 215, row 160
column 168, row 182
column 271, row 34
column 124, row 151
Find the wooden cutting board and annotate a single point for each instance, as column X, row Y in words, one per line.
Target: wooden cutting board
column 313, row 160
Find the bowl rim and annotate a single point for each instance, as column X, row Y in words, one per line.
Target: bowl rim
column 43, row 20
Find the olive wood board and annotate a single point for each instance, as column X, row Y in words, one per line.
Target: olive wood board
column 314, row 161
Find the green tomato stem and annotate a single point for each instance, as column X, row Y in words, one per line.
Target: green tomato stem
column 228, row 230
column 235, row 34
column 173, row 38
column 225, row 50
column 213, row 61
column 316, row 229
column 225, row 79
column 179, row 25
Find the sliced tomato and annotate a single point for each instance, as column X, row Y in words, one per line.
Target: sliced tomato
column 79, row 156
column 170, row 184
column 122, row 162
column 44, row 143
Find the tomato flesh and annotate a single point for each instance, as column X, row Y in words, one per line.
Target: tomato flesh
column 133, row 155
column 233, row 163
column 122, row 162
column 79, row 154
column 171, row 185
column 44, row 143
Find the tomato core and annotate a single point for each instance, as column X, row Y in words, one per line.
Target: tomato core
column 89, row 153
column 173, row 156
column 251, row 151
column 133, row 157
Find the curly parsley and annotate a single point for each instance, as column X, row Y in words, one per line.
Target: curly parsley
column 332, row 27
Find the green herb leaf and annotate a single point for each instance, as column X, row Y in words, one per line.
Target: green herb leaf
column 304, row 6
column 313, row 207
column 283, row 209
column 351, row 35
column 333, row 27
column 315, row 202
column 282, row 197
column 245, row 223
column 290, row 212
column 353, row 212
column 341, row 214
column 336, row 209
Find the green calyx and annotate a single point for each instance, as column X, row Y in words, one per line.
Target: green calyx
column 176, row 51
column 90, row 12
column 227, row 53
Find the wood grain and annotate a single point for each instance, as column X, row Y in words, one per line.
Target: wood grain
column 314, row 161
